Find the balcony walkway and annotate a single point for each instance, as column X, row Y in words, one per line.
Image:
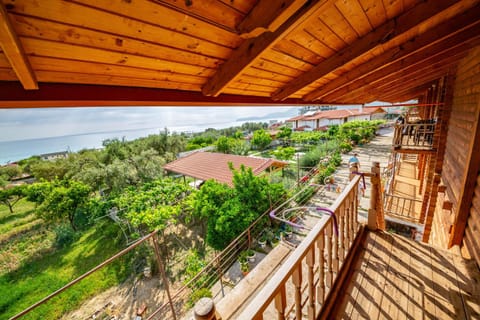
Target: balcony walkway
column 396, row 278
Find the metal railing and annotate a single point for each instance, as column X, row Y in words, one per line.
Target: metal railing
column 414, row 135
column 312, row 267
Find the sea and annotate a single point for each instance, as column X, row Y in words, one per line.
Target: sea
column 11, row 151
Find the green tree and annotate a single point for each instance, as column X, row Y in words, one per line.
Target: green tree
column 284, row 153
column 261, row 139
column 224, row 144
column 284, row 134
column 11, row 196
column 64, row 202
column 227, row 212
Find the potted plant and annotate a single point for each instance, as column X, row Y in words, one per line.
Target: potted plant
column 250, row 255
column 245, row 268
column 262, row 241
column 274, row 241
column 242, row 258
column 288, row 231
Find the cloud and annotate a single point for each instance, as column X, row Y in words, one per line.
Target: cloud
column 20, row 124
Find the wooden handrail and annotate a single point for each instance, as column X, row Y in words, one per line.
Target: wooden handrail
column 414, row 135
column 320, row 256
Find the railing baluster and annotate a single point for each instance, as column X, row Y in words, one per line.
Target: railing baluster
column 329, row 278
column 341, row 234
column 281, row 302
column 321, row 268
column 310, row 260
column 297, row 282
column 335, row 248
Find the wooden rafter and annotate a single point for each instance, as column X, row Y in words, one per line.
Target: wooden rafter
column 429, row 42
column 426, row 57
column 14, row 52
column 12, row 95
column 409, row 76
column 268, row 16
column 391, row 29
column 246, row 54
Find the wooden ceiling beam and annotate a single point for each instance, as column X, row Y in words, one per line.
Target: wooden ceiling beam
column 268, row 16
column 404, row 82
column 12, row 95
column 246, row 54
column 427, row 56
column 429, row 39
column 423, row 76
column 386, row 32
column 14, row 52
column 408, row 93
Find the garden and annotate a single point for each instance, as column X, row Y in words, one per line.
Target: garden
column 84, row 209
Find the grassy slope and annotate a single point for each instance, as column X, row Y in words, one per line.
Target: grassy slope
column 44, row 269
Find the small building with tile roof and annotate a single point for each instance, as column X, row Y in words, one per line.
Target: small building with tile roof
column 212, row 165
column 322, row 119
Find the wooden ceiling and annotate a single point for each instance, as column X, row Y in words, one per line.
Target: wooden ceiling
column 227, row 52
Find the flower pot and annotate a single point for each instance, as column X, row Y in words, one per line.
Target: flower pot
column 251, row 256
column 262, row 243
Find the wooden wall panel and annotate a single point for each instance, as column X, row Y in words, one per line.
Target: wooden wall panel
column 460, row 168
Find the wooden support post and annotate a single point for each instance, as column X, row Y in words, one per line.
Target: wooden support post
column 163, row 274
column 375, row 213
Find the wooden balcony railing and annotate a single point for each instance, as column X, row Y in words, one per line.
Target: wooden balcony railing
column 417, row 136
column 312, row 267
column 404, row 208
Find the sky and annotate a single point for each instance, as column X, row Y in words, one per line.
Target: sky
column 21, row 124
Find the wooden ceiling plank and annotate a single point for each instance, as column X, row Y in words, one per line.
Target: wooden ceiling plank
column 293, row 49
column 423, row 76
column 336, row 22
column 323, row 33
column 272, row 66
column 263, row 74
column 74, row 14
column 287, row 60
column 353, row 12
column 391, row 29
column 86, row 78
column 310, row 42
column 431, row 40
column 158, row 15
column 392, row 8
column 95, row 68
column 67, row 51
column 251, row 49
column 7, row 74
column 408, row 78
column 13, row 50
column 48, row 30
column 212, row 11
column 427, row 56
column 268, row 15
column 374, row 11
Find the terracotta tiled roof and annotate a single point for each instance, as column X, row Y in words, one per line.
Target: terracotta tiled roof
column 210, row 165
column 337, row 114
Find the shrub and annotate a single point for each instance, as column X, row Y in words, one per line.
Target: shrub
column 197, row 295
column 64, row 235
